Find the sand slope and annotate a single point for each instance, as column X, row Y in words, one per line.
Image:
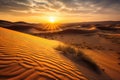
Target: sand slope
column 25, row 57
column 102, row 46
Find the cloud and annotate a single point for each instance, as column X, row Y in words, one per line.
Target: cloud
column 7, row 5
column 92, row 6
column 70, row 7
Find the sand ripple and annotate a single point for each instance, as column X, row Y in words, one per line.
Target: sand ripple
column 24, row 57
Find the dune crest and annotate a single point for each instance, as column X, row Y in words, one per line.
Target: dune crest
column 25, row 57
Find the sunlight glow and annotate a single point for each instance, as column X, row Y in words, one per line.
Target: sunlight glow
column 52, row 23
column 51, row 27
column 52, row 19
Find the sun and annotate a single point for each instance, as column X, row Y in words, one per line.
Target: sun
column 52, row 23
column 52, row 19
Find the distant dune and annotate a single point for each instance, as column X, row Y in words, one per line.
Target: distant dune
column 25, row 57
column 33, row 28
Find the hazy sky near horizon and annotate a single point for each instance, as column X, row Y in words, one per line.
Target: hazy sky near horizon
column 64, row 10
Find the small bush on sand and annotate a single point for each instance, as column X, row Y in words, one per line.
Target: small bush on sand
column 78, row 56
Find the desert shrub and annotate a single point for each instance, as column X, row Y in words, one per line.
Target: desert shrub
column 78, row 56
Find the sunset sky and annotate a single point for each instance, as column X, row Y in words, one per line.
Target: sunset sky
column 64, row 10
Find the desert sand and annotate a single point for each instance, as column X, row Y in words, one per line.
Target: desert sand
column 101, row 45
column 26, row 57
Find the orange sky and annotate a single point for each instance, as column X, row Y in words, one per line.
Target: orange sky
column 38, row 11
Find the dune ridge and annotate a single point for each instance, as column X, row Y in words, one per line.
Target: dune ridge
column 25, row 57
column 21, row 59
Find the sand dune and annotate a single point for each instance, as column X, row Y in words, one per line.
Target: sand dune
column 103, row 46
column 109, row 28
column 65, row 31
column 25, row 57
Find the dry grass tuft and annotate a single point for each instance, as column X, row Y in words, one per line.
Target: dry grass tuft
column 78, row 57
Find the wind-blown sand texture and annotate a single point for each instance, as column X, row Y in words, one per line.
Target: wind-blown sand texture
column 103, row 46
column 25, row 57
